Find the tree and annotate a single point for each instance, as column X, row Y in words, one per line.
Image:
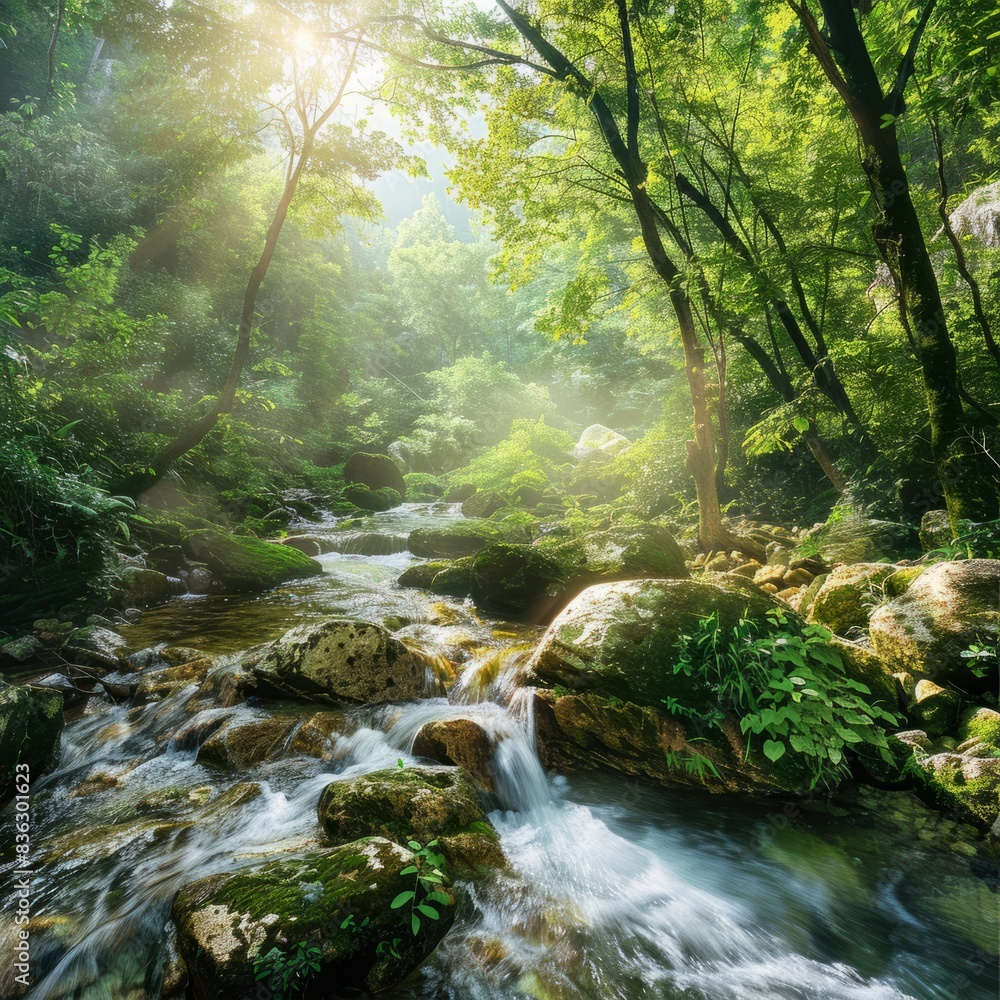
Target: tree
column 843, row 52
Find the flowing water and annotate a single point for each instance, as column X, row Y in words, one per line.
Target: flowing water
column 622, row 890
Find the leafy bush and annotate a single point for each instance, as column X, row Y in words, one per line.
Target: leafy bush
column 788, row 685
column 531, row 448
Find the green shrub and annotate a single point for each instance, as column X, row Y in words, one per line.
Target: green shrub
column 789, row 687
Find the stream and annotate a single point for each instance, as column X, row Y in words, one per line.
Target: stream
column 624, row 889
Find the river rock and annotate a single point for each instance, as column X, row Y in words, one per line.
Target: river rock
column 465, row 537
column 863, row 666
column 848, row 594
column 143, row 588
column 933, row 708
column 966, row 787
column 459, row 742
column 342, row 660
column 979, row 732
column 372, row 500
column 949, row 607
column 515, row 581
column 483, row 503
column 22, row 650
column 414, row 803
column 94, row 646
column 245, row 743
column 619, row 639
column 247, row 565
column 31, row 720
column 375, row 472
column 228, row 923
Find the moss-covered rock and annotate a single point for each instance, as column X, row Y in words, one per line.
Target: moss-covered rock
column 483, row 503
column 465, row 537
column 978, row 732
column 630, row 552
column 413, row 803
column 94, row 646
column 933, row 708
column 246, row 743
column 228, row 923
column 143, row 588
column 948, row 608
column 247, row 565
column 847, row 596
column 863, row 666
column 899, row 582
column 372, row 500
column 31, row 720
column 342, row 660
column 967, row 787
column 619, row 639
column 515, row 581
column 459, row 742
column 22, row 650
column 374, row 471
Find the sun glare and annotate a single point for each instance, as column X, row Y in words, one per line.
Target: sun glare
column 304, row 40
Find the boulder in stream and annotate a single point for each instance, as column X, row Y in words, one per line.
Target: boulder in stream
column 247, row 565
column 31, row 720
column 333, row 907
column 375, row 472
column 414, row 803
column 464, row 537
column 459, row 742
column 342, row 660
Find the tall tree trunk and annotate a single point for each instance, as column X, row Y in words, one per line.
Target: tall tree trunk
column 841, row 50
column 51, row 54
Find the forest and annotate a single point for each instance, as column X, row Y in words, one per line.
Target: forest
column 500, row 499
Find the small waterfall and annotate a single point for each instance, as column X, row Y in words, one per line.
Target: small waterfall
column 366, row 543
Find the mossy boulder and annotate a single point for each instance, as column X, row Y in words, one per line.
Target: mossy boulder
column 484, row 503
column 515, row 581
column 144, row 588
column 620, row 639
column 630, row 552
column 342, row 661
column 93, row 646
column 933, row 709
column 948, row 608
column 848, row 595
column 247, row 565
column 462, row 743
column 246, row 743
column 374, row 471
column 413, row 803
column 450, row 577
column 979, row 732
column 227, row 923
column 965, row 787
column 600, row 440
column 851, row 538
column 23, row 650
column 375, row 501
column 465, row 537
column 31, row 720
column 863, row 666
column 590, row 731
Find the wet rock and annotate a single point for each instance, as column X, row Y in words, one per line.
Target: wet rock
column 375, row 472
column 94, row 646
column 848, row 595
column 144, row 588
column 155, row 685
column 440, row 576
column 20, row 651
column 463, row 538
column 372, row 500
column 966, row 787
column 933, row 708
column 515, row 581
column 228, row 923
column 949, row 607
column 31, row 720
column 247, row 565
column 342, row 660
column 246, row 743
column 413, row 803
column 310, row 545
column 460, row 742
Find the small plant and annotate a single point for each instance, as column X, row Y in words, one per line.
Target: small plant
column 789, row 687
column 288, row 971
column 984, row 653
column 429, row 876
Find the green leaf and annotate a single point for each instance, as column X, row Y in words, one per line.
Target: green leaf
column 439, row 897
column 773, row 750
column 801, row 424
column 412, row 870
column 402, row 899
column 427, row 911
column 415, row 923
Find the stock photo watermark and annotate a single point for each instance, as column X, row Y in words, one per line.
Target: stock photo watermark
column 21, row 957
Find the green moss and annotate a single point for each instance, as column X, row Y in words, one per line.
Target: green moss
column 248, row 564
column 30, row 723
column 463, row 538
column 981, row 725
